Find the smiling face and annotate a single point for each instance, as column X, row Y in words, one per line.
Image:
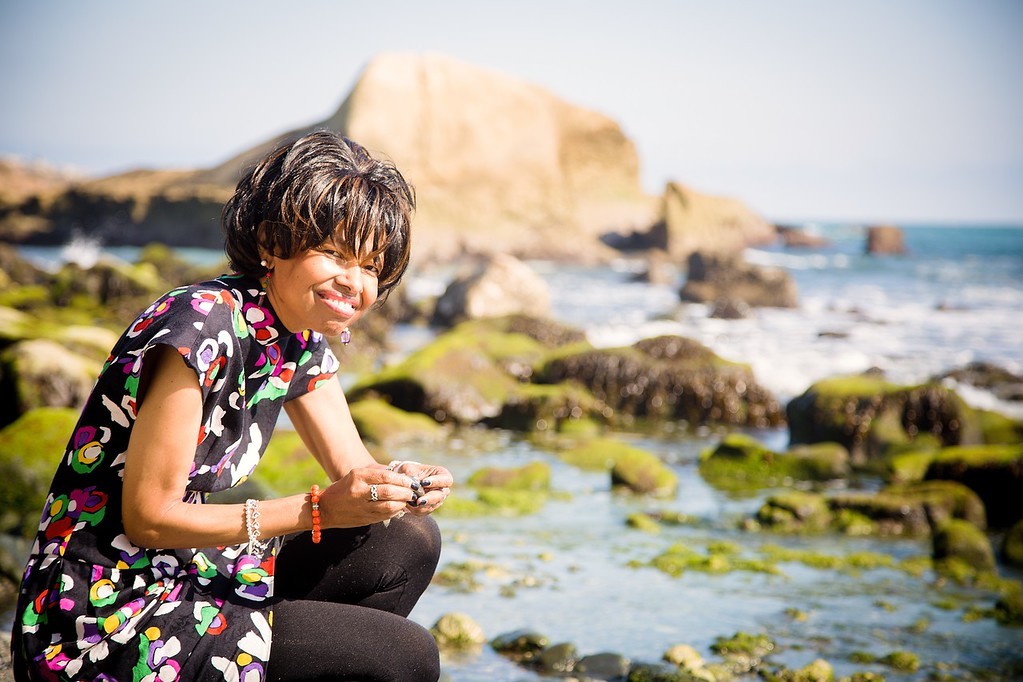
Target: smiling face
column 322, row 289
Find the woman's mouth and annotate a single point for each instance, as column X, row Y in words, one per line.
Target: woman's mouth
column 343, row 306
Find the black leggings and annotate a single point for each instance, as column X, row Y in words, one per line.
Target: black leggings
column 345, row 601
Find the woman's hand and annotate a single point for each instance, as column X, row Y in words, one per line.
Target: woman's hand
column 435, row 480
column 368, row 495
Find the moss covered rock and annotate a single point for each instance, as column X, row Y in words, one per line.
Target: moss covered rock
column 43, row 373
column 457, row 631
column 30, row 449
column 643, row 472
column 962, row 542
column 543, row 407
column 795, row 511
column 287, row 466
column 380, row 423
column 1012, row 546
column 871, row 416
column 668, row 377
column 535, row 476
column 740, row 462
column 462, row 376
column 994, row 472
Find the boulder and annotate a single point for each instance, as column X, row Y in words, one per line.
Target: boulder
column 797, row 238
column 711, row 224
column 499, row 287
column 913, row 510
column 1012, row 546
column 42, row 373
column 497, row 163
column 873, row 418
column 521, row 646
column 712, row 278
column 668, row 377
column 30, row 449
column 464, row 376
column 960, row 541
column 642, row 472
column 741, row 463
column 883, row 240
column 989, row 377
column 994, row 472
column 457, row 631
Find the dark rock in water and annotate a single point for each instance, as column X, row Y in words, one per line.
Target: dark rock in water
column 17, row 270
column 870, row 416
column 521, row 645
column 558, row 658
column 1012, row 546
column 794, row 237
column 501, row 286
column 994, row 472
column 660, row 672
column 885, row 240
column 718, row 277
column 668, row 377
column 740, row 462
column 730, row 309
column 962, row 541
column 989, row 377
column 605, row 666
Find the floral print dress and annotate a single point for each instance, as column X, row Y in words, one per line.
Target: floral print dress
column 93, row 606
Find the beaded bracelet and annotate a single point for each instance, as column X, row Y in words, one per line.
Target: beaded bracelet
column 314, row 500
column 256, row 548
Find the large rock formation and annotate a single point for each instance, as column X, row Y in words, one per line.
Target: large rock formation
column 499, row 165
column 701, row 222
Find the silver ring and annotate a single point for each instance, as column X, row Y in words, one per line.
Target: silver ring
column 373, row 492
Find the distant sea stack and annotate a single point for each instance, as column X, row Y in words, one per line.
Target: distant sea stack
column 499, row 166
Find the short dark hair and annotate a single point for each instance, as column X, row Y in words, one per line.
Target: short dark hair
column 318, row 188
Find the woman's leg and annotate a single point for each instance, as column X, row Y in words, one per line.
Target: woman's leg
column 382, row 567
column 314, row 640
column 345, row 602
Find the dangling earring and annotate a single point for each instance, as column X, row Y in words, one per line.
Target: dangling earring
column 346, row 336
column 264, row 281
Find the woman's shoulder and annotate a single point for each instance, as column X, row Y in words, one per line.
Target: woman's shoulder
column 190, row 308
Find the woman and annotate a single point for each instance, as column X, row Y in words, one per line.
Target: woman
column 317, row 233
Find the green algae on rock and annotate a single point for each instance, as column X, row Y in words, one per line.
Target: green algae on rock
column 741, row 463
column 668, row 377
column 457, row 631
column 962, row 542
column 30, row 449
column 869, row 415
column 380, row 423
column 994, row 472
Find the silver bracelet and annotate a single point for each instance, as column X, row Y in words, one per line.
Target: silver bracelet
column 256, row 548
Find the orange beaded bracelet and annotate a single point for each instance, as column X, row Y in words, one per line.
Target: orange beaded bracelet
column 314, row 499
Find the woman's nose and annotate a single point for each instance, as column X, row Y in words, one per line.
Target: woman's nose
column 351, row 277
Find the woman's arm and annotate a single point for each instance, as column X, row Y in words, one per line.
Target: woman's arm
column 159, row 458
column 324, row 421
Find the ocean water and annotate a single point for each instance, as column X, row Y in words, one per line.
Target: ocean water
column 954, row 298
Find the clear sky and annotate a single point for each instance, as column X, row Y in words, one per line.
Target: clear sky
column 858, row 110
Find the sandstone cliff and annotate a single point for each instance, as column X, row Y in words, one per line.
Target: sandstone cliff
column 498, row 164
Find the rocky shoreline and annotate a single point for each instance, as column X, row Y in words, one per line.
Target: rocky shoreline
column 939, row 469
